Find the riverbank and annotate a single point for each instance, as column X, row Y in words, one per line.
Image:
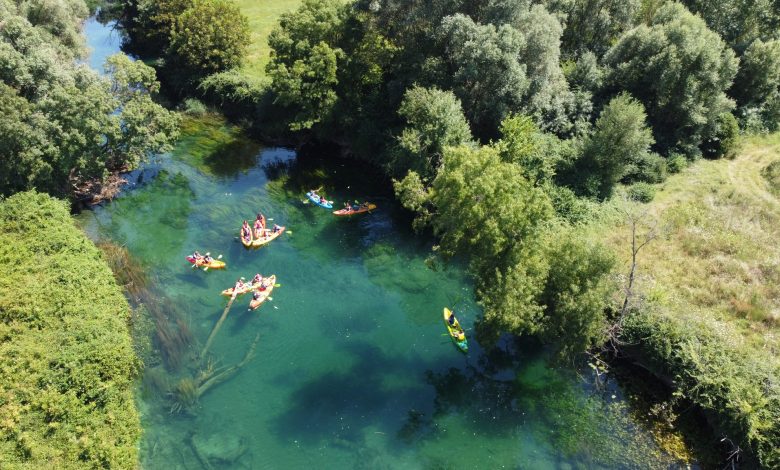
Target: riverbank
column 707, row 315
column 69, row 367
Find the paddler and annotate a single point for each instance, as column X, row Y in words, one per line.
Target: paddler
column 239, row 286
column 246, row 232
column 259, row 229
column 257, row 279
column 276, row 228
column 348, row 207
column 451, row 319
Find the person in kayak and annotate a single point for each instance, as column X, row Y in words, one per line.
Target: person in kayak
column 197, row 255
column 207, row 259
column 323, row 200
column 348, row 207
column 256, row 295
column 257, row 279
column 259, row 229
column 451, row 320
column 261, row 219
column 276, row 228
column 239, row 286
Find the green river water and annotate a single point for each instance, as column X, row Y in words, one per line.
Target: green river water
column 352, row 368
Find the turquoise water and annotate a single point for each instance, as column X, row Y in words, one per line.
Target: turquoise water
column 352, row 366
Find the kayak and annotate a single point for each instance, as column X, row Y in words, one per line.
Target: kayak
column 214, row 264
column 316, row 200
column 267, row 238
column 248, row 287
column 270, row 282
column 362, row 210
column 456, row 332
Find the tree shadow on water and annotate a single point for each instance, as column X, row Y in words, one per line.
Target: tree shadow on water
column 337, row 407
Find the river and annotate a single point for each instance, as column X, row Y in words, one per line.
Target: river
column 352, row 366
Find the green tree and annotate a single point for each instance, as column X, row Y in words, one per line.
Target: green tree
column 739, row 22
column 434, row 121
column 680, row 70
column 485, row 208
column 576, row 292
column 305, row 59
column 593, row 25
column 209, row 36
column 65, row 124
column 484, row 69
column 620, row 138
column 757, row 86
column 523, row 144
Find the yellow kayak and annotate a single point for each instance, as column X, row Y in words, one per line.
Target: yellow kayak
column 248, row 287
column 264, row 293
column 267, row 237
column 199, row 262
column 456, row 332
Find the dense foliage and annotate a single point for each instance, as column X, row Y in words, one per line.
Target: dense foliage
column 192, row 39
column 209, row 36
column 62, row 123
column 68, row 364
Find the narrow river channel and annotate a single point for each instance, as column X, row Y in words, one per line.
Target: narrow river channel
column 352, row 366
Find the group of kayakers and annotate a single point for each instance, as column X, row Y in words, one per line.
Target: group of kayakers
column 258, row 229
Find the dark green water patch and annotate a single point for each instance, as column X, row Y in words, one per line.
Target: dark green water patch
column 214, row 146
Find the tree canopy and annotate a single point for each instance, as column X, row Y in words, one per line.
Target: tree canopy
column 680, row 70
column 65, row 123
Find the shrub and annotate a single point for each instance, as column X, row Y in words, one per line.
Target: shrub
column 194, row 107
column 641, row 192
column 676, row 163
column 67, row 361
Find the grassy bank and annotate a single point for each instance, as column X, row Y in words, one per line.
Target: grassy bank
column 263, row 16
column 68, row 365
column 709, row 291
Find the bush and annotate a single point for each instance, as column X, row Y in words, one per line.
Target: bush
column 67, row 362
column 194, row 107
column 676, row 163
column 724, row 141
column 641, row 192
column 740, row 392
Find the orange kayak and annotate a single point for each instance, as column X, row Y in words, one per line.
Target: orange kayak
column 362, row 210
column 269, row 282
column 267, row 237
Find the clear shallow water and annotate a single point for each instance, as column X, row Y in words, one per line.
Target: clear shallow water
column 353, row 368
